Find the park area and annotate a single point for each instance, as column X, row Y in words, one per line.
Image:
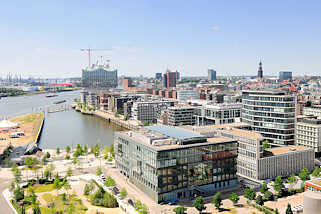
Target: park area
column 28, row 125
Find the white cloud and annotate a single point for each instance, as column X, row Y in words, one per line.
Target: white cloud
column 215, row 27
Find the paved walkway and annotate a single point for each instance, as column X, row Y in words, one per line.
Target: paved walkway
column 5, row 208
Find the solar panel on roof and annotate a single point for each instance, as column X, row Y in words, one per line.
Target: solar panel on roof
column 177, row 133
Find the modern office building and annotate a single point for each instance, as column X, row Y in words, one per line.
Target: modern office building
column 316, row 111
column 270, row 113
column 213, row 114
column 308, row 133
column 285, row 75
column 99, row 76
column 158, row 76
column 169, row 163
column 178, row 75
column 183, row 95
column 211, row 74
column 260, row 71
column 284, row 161
column 253, row 162
column 181, row 115
column 149, row 111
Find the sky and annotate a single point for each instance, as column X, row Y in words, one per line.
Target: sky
column 43, row 38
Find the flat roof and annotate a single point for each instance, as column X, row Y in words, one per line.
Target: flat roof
column 226, row 125
column 287, row 149
column 245, row 133
column 174, row 132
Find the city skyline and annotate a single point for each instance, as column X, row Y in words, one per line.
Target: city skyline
column 43, row 39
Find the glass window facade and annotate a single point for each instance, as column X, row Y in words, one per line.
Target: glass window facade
column 177, row 172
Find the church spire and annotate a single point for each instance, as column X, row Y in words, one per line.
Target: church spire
column 260, row 71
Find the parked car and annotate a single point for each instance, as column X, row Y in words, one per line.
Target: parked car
column 115, row 190
column 172, row 202
column 130, row 201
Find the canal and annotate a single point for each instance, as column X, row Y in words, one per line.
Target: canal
column 61, row 128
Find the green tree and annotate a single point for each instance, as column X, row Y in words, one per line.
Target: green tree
column 217, row 200
column 68, row 149
column 234, row 198
column 278, row 185
column 288, row 209
column 123, row 193
column 18, row 194
column 110, row 181
column 266, row 145
column 17, row 175
column 304, row 174
column 259, row 200
column 292, row 180
column 85, row 149
column 57, row 151
column 268, row 196
column 56, row 183
column 199, row 204
column 316, row 172
column 99, row 171
column 47, row 155
column 12, row 186
column 7, row 161
column 69, row 172
column 276, row 211
column 180, row 210
column 249, row 194
column 264, row 188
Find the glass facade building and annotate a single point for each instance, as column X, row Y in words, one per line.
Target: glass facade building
column 99, row 76
column 166, row 168
column 270, row 113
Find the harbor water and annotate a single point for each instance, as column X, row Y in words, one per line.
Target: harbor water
column 61, row 128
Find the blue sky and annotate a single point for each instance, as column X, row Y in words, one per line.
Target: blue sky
column 43, row 38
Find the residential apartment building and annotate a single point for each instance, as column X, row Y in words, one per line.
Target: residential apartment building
column 99, row 76
column 271, row 113
column 213, row 114
column 184, row 95
column 308, row 133
column 169, row 163
column 149, row 111
column 181, row 115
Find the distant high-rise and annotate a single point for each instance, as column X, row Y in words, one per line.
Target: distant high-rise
column 158, row 76
column 178, row 75
column 169, row 79
column 285, row 75
column 260, row 71
column 211, row 74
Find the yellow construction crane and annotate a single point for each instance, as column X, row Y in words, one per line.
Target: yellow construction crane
column 89, row 50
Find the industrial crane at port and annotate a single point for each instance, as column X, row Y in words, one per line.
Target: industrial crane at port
column 90, row 50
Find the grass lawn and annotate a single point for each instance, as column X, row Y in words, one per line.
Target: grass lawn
column 44, row 188
column 27, row 119
column 72, row 205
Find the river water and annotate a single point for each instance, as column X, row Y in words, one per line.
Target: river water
column 61, row 128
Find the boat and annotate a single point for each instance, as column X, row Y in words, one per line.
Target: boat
column 51, row 95
column 58, row 102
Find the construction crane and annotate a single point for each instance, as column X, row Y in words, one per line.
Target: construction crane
column 89, row 50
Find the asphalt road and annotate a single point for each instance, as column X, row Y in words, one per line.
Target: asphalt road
column 4, row 207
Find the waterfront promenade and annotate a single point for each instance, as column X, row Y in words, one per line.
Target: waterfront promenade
column 128, row 124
